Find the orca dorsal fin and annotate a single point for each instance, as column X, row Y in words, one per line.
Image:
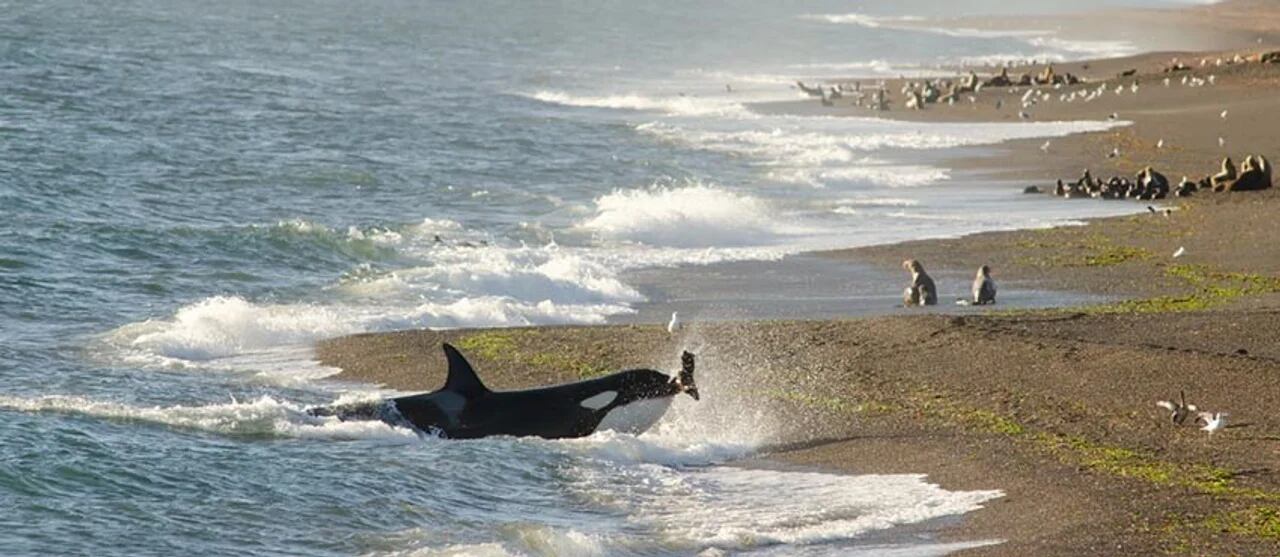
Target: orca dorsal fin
column 462, row 378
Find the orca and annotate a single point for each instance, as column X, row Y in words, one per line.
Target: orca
column 628, row 401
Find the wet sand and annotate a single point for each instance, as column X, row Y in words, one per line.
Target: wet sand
column 1054, row 406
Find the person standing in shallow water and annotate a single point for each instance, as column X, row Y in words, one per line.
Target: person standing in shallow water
column 921, row 291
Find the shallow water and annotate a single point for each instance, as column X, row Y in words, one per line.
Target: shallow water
column 193, row 193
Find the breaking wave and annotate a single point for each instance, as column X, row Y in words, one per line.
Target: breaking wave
column 266, row 416
column 692, row 216
column 682, row 105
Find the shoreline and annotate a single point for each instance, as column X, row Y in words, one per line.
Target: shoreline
column 1054, row 406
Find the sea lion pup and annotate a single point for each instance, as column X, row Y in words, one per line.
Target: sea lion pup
column 1225, row 176
column 1185, row 188
column 984, row 289
column 1252, row 176
column 921, row 291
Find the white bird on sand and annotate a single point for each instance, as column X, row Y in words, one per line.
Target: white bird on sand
column 1024, row 115
column 1166, row 82
column 1221, row 141
column 1134, row 88
column 1045, row 147
column 1212, row 79
column 674, row 324
column 1115, row 152
column 1178, row 410
column 1160, row 144
column 1181, row 252
column 1213, row 421
column 1223, row 115
column 1113, row 116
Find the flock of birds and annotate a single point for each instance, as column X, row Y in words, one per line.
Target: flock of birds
column 1180, row 410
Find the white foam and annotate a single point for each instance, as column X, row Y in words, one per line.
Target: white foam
column 1088, row 49
column 692, row 216
column 683, row 105
column 228, row 325
column 264, row 416
column 893, row 176
column 880, row 202
column 734, row 507
column 862, row 20
column 815, row 141
column 1064, row 48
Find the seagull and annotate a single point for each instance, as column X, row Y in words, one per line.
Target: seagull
column 1213, row 421
column 1113, row 116
column 1221, row 141
column 1024, row 115
column 1115, row 152
column 1181, row 252
column 1223, row 115
column 1134, row 88
column 1045, row 147
column 674, row 324
column 1160, row 144
column 1212, row 78
column 1166, row 82
column 1177, row 410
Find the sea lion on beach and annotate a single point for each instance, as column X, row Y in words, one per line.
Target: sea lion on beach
column 1001, row 80
column 1046, row 77
column 1255, row 175
column 914, row 101
column 921, row 291
column 984, row 289
column 1153, row 183
column 1185, row 188
column 629, row 401
column 1225, row 176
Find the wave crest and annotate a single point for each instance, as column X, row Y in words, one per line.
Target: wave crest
column 680, row 105
column 692, row 216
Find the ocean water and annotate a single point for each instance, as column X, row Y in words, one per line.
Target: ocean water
column 192, row 193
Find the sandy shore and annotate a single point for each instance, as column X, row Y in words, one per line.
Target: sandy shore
column 1053, row 406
